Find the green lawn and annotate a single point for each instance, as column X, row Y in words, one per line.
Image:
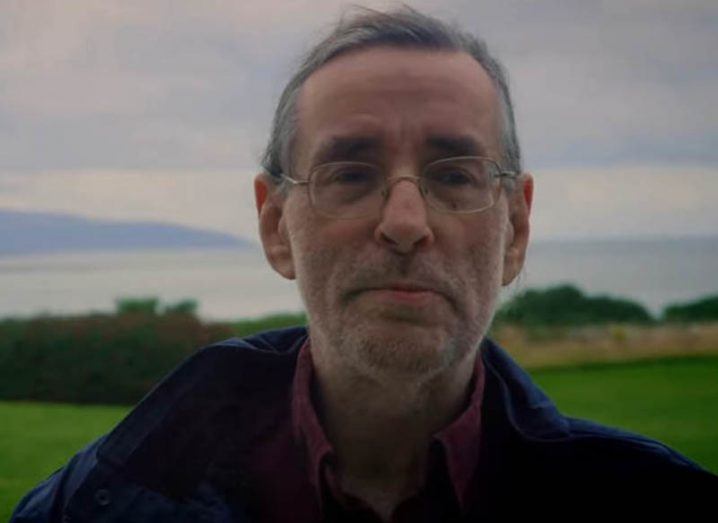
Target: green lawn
column 672, row 400
column 675, row 401
column 38, row 438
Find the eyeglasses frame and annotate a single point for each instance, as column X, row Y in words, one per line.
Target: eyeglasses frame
column 389, row 182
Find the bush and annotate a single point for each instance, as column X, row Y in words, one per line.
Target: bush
column 109, row 359
column 705, row 309
column 182, row 307
column 137, row 305
column 96, row 359
column 567, row 305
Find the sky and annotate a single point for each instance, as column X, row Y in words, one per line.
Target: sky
column 159, row 110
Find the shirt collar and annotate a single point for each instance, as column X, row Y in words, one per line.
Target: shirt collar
column 459, row 440
column 305, row 421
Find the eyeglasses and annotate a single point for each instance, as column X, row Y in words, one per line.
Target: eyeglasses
column 460, row 185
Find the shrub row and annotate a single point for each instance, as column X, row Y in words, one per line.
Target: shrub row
column 567, row 305
column 109, row 358
column 116, row 359
column 96, row 359
column 705, row 309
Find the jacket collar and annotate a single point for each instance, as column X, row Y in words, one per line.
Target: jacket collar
column 527, row 409
column 170, row 437
column 185, row 418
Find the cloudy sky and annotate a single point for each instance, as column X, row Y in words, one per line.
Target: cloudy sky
column 143, row 109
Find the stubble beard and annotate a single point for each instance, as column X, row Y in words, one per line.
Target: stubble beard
column 389, row 348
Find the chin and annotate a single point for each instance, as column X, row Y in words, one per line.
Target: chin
column 401, row 350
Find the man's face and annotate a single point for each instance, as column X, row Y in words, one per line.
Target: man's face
column 410, row 290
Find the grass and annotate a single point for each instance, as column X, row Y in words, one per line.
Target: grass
column 674, row 400
column 38, row 438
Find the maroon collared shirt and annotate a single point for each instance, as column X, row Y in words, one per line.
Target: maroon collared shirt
column 293, row 479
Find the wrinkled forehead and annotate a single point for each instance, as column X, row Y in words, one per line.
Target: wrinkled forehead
column 393, row 96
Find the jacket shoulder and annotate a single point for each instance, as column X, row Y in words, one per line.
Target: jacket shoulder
column 147, row 444
column 46, row 502
column 518, row 411
column 532, row 451
column 623, row 442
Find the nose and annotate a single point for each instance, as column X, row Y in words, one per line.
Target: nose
column 404, row 225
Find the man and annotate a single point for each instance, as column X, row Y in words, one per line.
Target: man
column 393, row 193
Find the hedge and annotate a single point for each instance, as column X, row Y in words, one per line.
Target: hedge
column 705, row 309
column 567, row 305
column 110, row 359
column 118, row 358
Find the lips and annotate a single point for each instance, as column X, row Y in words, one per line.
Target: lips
column 404, row 293
column 405, row 287
column 383, row 279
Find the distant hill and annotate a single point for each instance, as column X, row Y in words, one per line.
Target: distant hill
column 26, row 232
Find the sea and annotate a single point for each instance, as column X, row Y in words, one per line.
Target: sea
column 231, row 284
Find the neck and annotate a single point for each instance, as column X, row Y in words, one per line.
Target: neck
column 381, row 425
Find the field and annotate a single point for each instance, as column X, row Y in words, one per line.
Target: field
column 672, row 399
column 38, row 438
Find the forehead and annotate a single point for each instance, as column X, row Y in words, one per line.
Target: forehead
column 398, row 99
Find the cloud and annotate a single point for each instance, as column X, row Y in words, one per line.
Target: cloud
column 116, row 108
column 118, row 85
column 609, row 82
column 625, row 201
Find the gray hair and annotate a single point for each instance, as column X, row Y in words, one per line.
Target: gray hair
column 404, row 27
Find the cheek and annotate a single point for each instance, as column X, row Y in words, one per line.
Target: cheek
column 486, row 260
column 486, row 268
column 322, row 258
column 310, row 260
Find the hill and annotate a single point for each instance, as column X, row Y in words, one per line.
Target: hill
column 26, row 232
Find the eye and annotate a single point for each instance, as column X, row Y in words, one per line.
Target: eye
column 356, row 174
column 451, row 176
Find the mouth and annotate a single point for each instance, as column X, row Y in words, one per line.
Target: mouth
column 403, row 287
column 404, row 293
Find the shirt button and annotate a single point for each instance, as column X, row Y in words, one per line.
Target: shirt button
column 102, row 497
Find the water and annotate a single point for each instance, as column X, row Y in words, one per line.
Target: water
column 231, row 284
column 228, row 284
column 653, row 272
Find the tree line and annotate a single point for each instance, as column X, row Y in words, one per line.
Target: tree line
column 116, row 358
column 568, row 305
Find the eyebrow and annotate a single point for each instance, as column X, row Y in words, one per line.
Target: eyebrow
column 447, row 146
column 340, row 148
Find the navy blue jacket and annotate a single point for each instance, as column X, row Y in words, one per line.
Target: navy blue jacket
column 172, row 458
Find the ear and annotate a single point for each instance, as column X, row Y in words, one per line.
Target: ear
column 520, row 200
column 272, row 226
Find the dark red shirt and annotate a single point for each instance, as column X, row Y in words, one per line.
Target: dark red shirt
column 292, row 472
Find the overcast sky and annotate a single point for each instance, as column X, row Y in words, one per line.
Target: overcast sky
column 159, row 109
